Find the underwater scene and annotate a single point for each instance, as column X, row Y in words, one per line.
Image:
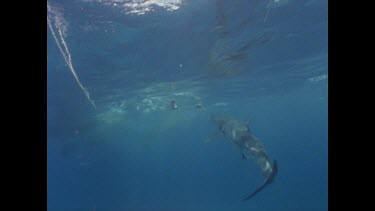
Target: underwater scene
column 187, row 105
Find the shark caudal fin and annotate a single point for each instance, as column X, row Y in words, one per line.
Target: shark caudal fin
column 268, row 180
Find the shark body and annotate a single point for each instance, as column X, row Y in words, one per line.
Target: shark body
column 250, row 146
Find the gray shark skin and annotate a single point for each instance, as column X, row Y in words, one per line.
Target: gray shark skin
column 250, row 146
column 266, row 182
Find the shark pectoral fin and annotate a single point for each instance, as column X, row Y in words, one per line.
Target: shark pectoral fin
column 212, row 137
column 207, row 140
column 248, row 126
column 244, row 155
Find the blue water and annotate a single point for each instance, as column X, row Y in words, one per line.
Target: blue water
column 255, row 60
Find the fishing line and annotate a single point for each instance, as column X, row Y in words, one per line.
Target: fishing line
column 67, row 57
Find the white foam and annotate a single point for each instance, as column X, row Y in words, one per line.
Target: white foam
column 141, row 7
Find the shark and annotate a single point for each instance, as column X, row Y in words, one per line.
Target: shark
column 251, row 147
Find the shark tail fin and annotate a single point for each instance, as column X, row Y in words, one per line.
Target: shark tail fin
column 255, row 192
column 268, row 180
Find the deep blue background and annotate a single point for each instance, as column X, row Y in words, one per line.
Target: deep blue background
column 158, row 160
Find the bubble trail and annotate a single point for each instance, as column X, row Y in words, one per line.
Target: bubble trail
column 268, row 10
column 67, row 57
